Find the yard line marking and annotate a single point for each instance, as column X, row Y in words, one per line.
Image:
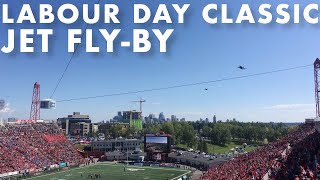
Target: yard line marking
column 180, row 175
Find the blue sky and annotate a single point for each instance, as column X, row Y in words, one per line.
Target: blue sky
column 196, row 52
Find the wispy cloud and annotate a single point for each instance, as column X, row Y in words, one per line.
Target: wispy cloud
column 155, row 103
column 6, row 109
column 152, row 103
column 292, row 107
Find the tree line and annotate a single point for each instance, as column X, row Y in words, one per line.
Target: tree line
column 222, row 133
column 194, row 134
column 198, row 134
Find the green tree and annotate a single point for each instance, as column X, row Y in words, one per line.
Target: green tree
column 131, row 132
column 234, row 130
column 189, row 135
column 206, row 131
column 153, row 129
column 220, row 134
column 178, row 132
column 200, row 146
column 116, row 131
column 168, row 128
column 204, row 147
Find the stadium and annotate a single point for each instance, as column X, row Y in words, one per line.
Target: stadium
column 36, row 149
column 220, row 102
column 41, row 151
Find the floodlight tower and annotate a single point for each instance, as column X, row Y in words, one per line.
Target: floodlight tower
column 35, row 106
column 317, row 85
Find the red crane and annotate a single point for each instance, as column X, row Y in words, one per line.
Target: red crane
column 140, row 101
column 35, row 105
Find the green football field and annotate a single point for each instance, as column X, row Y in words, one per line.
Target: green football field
column 115, row 172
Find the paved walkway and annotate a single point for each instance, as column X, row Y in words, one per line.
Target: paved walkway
column 196, row 175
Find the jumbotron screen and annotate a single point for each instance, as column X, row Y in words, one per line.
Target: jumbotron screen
column 157, row 143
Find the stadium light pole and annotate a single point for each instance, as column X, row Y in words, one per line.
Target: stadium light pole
column 317, row 85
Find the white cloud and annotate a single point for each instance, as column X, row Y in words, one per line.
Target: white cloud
column 152, row 103
column 6, row 109
column 155, row 103
column 292, row 107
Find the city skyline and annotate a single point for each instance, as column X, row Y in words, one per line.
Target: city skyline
column 198, row 116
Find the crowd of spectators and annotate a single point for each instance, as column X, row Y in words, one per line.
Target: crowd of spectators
column 270, row 159
column 300, row 162
column 27, row 147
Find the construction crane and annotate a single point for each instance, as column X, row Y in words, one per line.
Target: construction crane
column 140, row 101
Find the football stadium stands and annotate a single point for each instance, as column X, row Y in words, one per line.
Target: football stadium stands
column 34, row 146
column 301, row 161
column 291, row 157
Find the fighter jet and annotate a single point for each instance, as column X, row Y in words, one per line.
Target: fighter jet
column 242, row 68
column 206, row 89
